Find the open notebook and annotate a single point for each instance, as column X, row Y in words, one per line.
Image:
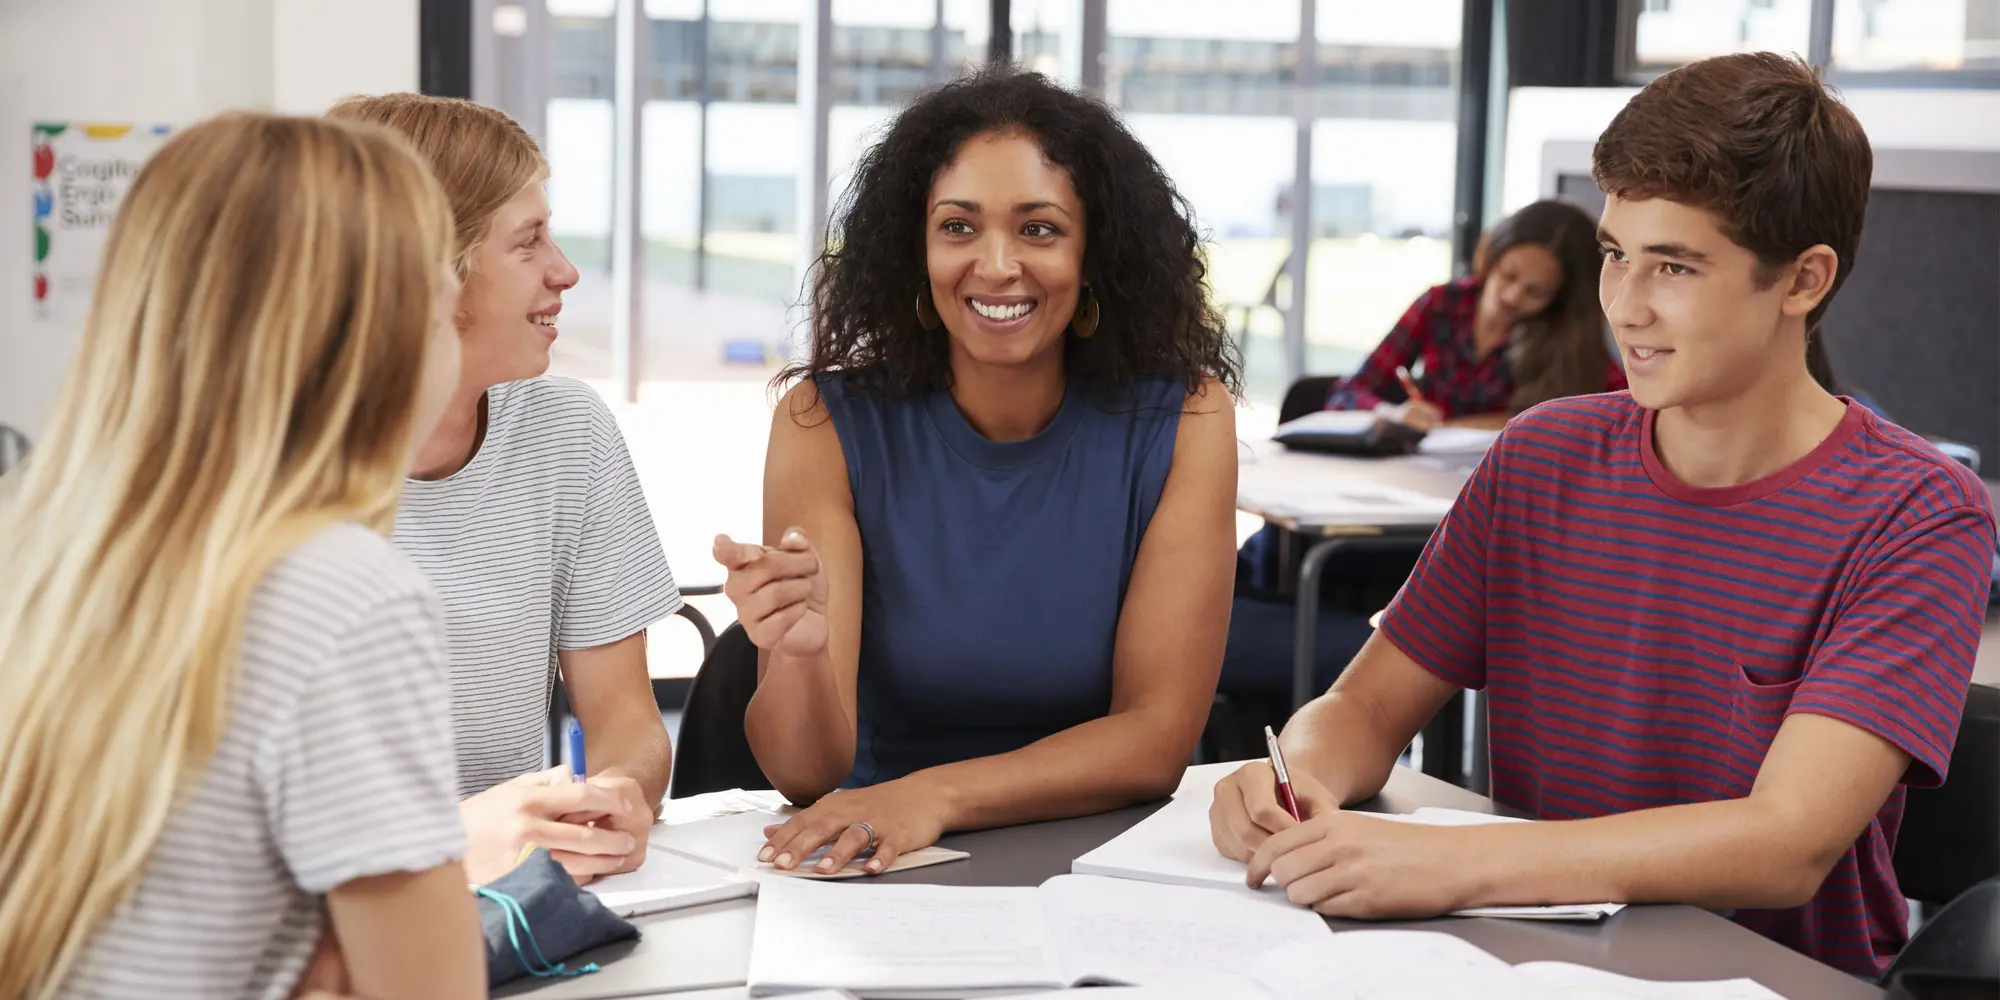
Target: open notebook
column 916, row 941
column 1425, row 965
column 906, row 942
column 1173, row 846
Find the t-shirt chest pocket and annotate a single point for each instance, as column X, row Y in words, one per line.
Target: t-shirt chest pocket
column 1754, row 701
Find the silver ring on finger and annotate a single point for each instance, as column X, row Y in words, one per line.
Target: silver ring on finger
column 870, row 831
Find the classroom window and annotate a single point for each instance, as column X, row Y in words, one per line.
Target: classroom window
column 1672, row 34
column 1934, row 35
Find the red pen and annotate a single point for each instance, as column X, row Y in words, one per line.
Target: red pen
column 1409, row 384
column 1285, row 794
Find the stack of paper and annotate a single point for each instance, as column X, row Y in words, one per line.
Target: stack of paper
column 1174, row 846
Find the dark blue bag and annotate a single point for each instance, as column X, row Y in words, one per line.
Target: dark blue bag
column 536, row 917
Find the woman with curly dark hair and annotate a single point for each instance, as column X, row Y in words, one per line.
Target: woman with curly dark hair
column 998, row 503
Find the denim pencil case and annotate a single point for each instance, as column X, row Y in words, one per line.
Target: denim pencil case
column 535, row 918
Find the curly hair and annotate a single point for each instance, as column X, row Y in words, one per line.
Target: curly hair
column 1142, row 254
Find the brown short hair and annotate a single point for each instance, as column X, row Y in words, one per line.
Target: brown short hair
column 481, row 157
column 1757, row 140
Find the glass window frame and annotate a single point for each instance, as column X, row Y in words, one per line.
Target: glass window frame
column 1086, row 52
column 1632, row 71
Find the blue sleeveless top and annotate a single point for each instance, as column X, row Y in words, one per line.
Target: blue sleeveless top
column 993, row 571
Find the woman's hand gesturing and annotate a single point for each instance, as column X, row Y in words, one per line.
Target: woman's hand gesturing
column 779, row 593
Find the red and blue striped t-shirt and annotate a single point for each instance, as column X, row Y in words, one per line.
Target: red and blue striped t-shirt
column 1640, row 640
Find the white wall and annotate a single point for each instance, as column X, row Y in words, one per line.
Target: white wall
column 1899, row 119
column 165, row 61
column 329, row 49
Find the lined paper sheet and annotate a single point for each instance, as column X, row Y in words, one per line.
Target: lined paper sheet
column 1389, row 965
column 1139, row 932
column 901, row 940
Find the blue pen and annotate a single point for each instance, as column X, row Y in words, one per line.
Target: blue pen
column 576, row 765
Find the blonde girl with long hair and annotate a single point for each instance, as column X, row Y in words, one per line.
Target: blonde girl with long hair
column 222, row 691
column 525, row 512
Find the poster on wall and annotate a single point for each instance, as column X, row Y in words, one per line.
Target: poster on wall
column 81, row 172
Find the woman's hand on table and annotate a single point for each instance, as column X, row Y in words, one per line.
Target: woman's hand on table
column 779, row 593
column 905, row 814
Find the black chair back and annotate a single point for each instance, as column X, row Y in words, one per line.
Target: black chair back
column 712, row 753
column 1950, row 839
column 1959, row 946
column 1307, row 395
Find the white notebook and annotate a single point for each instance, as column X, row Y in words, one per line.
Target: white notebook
column 668, row 881
column 905, row 942
column 674, row 877
column 1174, row 846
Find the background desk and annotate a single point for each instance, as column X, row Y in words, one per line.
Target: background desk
column 709, row 948
column 1314, row 495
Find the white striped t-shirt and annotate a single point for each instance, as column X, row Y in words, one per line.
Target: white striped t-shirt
column 335, row 765
column 542, row 542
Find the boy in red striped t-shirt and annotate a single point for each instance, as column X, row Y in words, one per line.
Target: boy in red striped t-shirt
column 1721, row 620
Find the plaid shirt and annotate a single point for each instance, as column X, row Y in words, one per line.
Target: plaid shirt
column 1434, row 341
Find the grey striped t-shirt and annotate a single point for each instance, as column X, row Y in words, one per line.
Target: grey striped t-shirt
column 335, row 765
column 542, row 542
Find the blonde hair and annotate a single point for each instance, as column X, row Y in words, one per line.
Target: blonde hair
column 248, row 375
column 481, row 157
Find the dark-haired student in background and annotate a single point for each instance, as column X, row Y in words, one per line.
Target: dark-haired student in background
column 1525, row 328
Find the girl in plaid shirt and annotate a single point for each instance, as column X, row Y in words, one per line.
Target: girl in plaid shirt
column 1525, row 329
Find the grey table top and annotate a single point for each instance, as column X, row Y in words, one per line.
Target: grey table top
column 1320, row 494
column 709, row 948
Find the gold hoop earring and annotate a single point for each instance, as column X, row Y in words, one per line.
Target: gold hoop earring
column 927, row 314
column 1084, row 322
